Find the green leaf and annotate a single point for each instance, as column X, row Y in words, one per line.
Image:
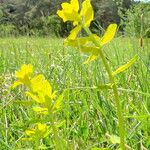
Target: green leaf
column 138, row 117
column 58, row 102
column 114, row 139
column 40, row 110
column 89, row 49
column 95, row 148
column 105, row 86
column 23, row 102
column 126, row 66
column 74, row 32
column 60, row 124
column 16, row 83
column 91, row 58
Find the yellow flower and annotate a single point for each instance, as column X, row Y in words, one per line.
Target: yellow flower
column 41, row 89
column 40, row 131
column 70, row 12
column 86, row 44
column 40, row 84
column 69, row 9
column 24, row 71
column 87, row 13
column 23, row 75
column 41, row 110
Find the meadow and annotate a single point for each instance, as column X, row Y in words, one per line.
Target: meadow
column 88, row 115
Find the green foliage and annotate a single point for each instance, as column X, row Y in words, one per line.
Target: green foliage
column 89, row 112
column 106, row 12
column 49, row 25
column 7, row 30
column 137, row 20
column 37, row 17
column 28, row 16
column 53, row 23
column 32, row 17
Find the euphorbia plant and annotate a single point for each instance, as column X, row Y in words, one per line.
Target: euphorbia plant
column 40, row 91
column 93, row 44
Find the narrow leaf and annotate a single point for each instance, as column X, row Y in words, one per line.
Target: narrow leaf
column 40, row 110
column 91, row 58
column 89, row 49
column 74, row 32
column 58, row 102
column 23, row 102
column 60, row 124
column 16, row 83
column 126, row 66
column 115, row 139
column 96, row 148
column 105, row 86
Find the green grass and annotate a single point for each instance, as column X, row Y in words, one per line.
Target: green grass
column 89, row 113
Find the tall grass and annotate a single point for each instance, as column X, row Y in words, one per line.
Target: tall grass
column 89, row 113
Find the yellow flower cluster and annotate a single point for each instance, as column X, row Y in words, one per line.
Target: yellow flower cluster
column 70, row 12
column 38, row 132
column 23, row 75
column 92, row 43
column 39, row 90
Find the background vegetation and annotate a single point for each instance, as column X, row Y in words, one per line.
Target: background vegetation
column 89, row 114
column 29, row 31
column 38, row 17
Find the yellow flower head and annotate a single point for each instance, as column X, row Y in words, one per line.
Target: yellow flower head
column 87, row 13
column 40, row 84
column 41, row 89
column 25, row 70
column 23, row 75
column 39, row 131
column 70, row 12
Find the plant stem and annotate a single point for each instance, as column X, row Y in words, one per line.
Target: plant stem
column 56, row 137
column 114, row 88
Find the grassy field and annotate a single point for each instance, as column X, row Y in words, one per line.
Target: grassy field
column 89, row 114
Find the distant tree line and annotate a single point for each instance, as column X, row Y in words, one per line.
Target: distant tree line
column 38, row 17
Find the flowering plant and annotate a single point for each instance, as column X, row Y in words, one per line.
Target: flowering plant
column 40, row 91
column 93, row 45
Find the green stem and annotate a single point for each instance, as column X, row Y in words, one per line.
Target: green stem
column 56, row 137
column 114, row 88
column 37, row 143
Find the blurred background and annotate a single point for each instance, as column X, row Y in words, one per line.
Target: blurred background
column 38, row 17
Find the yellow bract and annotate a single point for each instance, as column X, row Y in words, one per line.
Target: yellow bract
column 40, row 85
column 40, row 110
column 23, row 75
column 87, row 13
column 38, row 97
column 109, row 34
column 70, row 12
column 74, row 32
column 40, row 90
column 125, row 66
column 39, row 131
column 86, row 45
column 25, row 70
column 91, row 58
